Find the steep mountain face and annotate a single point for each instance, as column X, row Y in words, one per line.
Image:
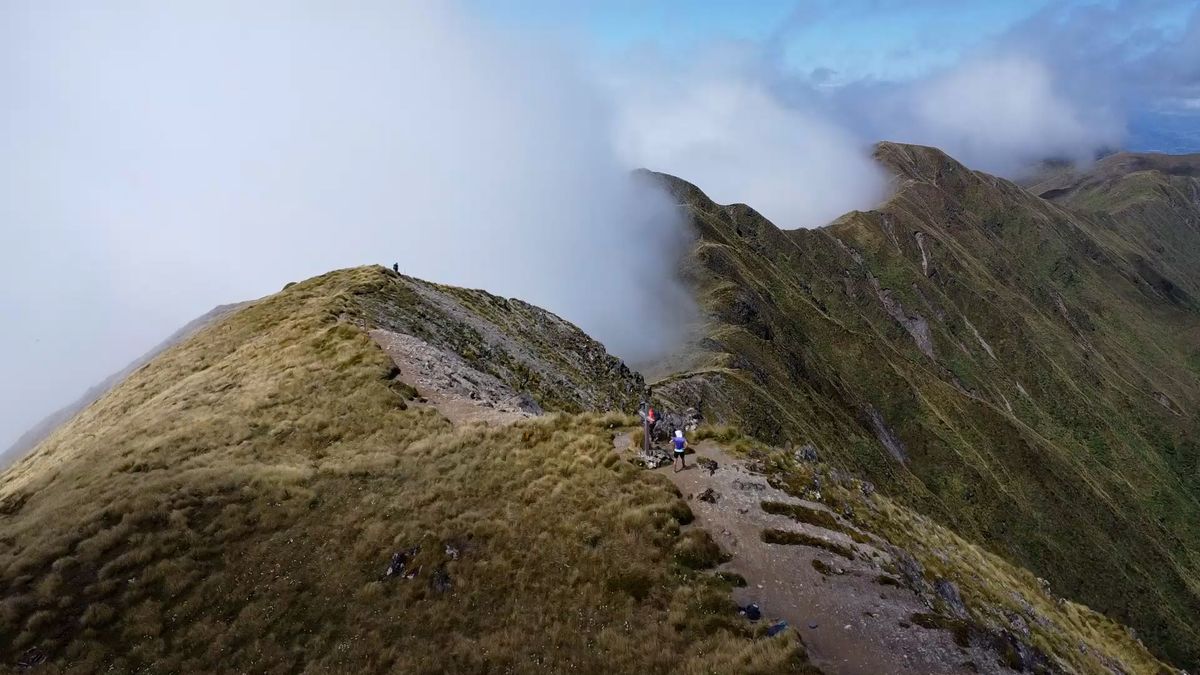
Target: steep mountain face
column 526, row 350
column 1025, row 370
column 1148, row 207
column 40, row 431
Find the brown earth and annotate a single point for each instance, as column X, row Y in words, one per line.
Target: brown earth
column 849, row 621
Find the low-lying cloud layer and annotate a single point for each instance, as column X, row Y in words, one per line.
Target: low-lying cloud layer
column 161, row 158
column 718, row 124
column 1002, row 114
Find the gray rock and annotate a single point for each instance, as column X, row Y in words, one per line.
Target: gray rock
column 1019, row 655
column 524, row 401
column 653, row 459
column 948, row 592
column 751, row 487
column 807, row 453
column 910, row 570
column 1019, row 625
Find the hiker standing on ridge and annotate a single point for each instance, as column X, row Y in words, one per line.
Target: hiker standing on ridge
column 681, row 445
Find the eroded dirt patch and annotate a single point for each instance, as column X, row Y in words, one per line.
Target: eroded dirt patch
column 459, row 392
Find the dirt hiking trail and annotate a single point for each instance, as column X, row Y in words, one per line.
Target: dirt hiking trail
column 849, row 620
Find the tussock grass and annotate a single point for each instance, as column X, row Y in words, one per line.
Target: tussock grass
column 803, row 514
column 697, row 550
column 233, row 507
column 791, row 538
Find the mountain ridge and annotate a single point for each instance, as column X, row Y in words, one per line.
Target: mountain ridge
column 1000, row 363
column 272, row 495
column 1007, row 363
column 49, row 424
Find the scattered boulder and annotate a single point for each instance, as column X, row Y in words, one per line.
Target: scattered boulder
column 1018, row 624
column 909, row 569
column 526, row 403
column 669, row 420
column 13, row 503
column 948, row 592
column 706, row 463
column 653, row 459
column 710, row 495
column 1019, row 655
column 807, row 453
column 751, row 612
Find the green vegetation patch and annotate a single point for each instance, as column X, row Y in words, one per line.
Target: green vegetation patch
column 696, row 549
column 732, row 578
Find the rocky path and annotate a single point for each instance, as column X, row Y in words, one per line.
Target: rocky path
column 460, row 393
column 849, row 612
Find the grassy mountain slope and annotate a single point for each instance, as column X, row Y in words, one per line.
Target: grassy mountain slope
column 1017, row 369
column 1148, row 206
column 233, row 505
column 40, row 431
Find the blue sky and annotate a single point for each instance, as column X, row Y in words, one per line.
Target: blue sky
column 859, row 39
column 890, row 41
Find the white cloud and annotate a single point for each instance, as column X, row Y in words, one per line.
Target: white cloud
column 157, row 159
column 726, row 131
column 160, row 159
column 1003, row 113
